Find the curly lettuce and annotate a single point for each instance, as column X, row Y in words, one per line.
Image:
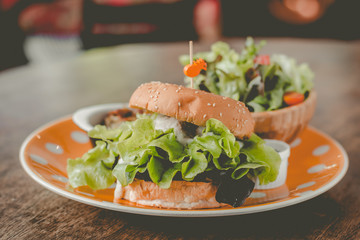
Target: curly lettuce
column 137, row 147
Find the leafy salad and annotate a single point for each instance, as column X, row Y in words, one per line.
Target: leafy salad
column 136, row 148
column 262, row 82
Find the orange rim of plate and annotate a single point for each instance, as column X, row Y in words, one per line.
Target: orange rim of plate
column 316, row 163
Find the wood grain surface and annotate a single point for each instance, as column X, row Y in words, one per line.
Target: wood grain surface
column 33, row 95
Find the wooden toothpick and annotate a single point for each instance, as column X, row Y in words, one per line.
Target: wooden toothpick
column 191, row 60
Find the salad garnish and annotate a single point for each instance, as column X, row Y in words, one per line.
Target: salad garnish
column 260, row 81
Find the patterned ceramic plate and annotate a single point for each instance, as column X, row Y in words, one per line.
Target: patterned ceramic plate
column 317, row 162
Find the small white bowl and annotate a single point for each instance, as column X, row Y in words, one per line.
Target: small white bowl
column 86, row 118
column 284, row 151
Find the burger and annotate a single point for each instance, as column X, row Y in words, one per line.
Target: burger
column 177, row 147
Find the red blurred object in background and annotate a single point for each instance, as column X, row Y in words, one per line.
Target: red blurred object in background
column 299, row 11
column 123, row 21
column 119, row 3
column 7, row 4
column 207, row 19
column 65, row 17
column 58, row 17
column 111, row 22
column 334, row 19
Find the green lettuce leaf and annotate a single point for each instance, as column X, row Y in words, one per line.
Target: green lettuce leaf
column 243, row 169
column 104, row 133
column 276, row 99
column 264, row 158
column 259, row 103
column 210, row 143
column 196, row 164
column 143, row 132
column 168, row 175
column 169, row 144
column 155, row 169
column 299, row 77
column 125, row 173
column 93, row 168
column 227, row 140
column 162, row 172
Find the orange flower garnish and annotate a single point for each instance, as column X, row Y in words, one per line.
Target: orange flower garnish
column 194, row 69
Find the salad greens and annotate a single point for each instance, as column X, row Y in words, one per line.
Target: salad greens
column 137, row 147
column 260, row 85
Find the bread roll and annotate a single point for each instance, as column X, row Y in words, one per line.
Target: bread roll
column 194, row 106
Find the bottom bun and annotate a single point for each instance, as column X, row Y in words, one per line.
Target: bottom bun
column 181, row 194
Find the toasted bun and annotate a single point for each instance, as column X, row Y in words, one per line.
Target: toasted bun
column 194, row 106
column 180, row 195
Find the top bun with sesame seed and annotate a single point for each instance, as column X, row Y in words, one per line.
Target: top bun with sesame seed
column 194, row 106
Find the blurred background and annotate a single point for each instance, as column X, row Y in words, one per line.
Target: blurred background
column 34, row 31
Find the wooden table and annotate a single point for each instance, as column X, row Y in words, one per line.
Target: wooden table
column 33, row 95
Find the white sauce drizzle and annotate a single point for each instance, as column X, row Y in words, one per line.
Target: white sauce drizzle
column 165, row 123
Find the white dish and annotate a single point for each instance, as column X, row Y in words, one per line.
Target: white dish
column 284, row 151
column 86, row 118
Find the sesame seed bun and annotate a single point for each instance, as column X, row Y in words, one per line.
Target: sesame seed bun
column 181, row 194
column 194, row 106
